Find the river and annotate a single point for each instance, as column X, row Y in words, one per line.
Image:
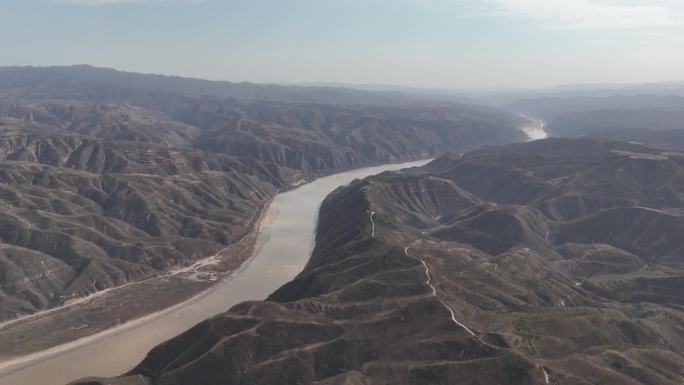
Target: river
column 536, row 130
column 286, row 240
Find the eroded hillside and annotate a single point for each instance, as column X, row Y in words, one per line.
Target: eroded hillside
column 552, row 262
column 109, row 177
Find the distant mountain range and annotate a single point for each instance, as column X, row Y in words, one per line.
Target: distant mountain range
column 77, row 81
column 85, row 82
column 494, row 96
column 652, row 119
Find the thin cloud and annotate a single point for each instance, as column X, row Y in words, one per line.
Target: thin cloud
column 99, row 2
column 114, row 2
column 593, row 14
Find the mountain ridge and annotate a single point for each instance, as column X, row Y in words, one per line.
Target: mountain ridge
column 419, row 278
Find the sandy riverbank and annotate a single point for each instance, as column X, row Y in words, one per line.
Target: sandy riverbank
column 121, row 307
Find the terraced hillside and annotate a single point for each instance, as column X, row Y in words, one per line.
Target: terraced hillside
column 552, row 262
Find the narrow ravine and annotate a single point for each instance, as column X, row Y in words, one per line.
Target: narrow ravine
column 285, row 242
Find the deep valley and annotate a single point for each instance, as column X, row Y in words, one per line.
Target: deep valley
column 127, row 189
column 561, row 267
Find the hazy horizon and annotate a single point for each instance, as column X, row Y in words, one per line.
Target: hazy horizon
column 435, row 44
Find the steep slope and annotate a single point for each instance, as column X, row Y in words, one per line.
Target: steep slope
column 30, row 143
column 80, row 215
column 471, row 270
column 96, row 231
column 327, row 138
column 363, row 311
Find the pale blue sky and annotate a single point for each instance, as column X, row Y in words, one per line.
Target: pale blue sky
column 433, row 43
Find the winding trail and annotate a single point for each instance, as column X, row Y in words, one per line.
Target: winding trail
column 428, row 282
column 453, row 314
column 434, row 294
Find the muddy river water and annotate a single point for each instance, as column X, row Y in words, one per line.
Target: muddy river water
column 286, row 240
